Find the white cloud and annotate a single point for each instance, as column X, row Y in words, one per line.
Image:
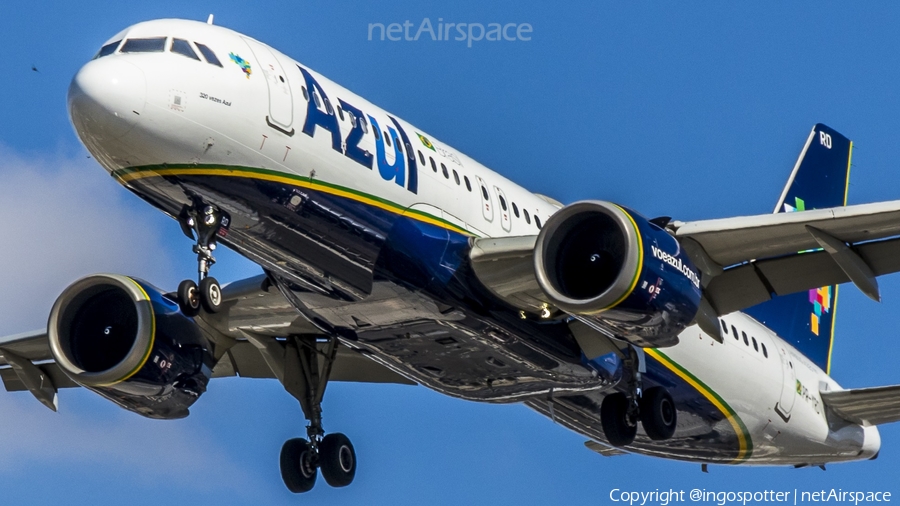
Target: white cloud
column 63, row 218
column 108, row 440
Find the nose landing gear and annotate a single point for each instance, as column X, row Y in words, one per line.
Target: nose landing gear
column 201, row 222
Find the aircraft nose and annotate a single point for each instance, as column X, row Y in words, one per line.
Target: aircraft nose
column 106, row 98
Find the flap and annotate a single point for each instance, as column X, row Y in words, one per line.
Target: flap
column 245, row 360
column 750, row 284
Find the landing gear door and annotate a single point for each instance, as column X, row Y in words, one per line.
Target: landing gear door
column 487, row 205
column 281, row 100
column 788, row 386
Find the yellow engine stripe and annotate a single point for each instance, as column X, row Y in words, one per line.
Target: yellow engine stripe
column 149, row 350
column 637, row 272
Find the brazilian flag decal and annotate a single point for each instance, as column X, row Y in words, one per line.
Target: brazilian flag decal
column 425, row 141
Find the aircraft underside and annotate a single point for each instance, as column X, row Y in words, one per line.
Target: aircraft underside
column 432, row 323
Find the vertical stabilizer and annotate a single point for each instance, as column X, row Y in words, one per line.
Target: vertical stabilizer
column 820, row 179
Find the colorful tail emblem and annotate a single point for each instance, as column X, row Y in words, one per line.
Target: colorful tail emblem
column 242, row 63
column 820, row 298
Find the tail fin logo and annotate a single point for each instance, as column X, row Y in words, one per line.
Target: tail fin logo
column 820, row 298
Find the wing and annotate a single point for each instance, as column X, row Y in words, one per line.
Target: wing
column 748, row 260
column 866, row 406
column 246, row 336
column 745, row 260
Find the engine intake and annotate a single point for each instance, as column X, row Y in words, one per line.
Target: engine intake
column 123, row 339
column 599, row 260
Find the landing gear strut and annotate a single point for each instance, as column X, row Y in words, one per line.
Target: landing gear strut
column 201, row 222
column 654, row 408
column 306, row 370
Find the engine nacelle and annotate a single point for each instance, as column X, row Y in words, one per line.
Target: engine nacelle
column 121, row 338
column 603, row 261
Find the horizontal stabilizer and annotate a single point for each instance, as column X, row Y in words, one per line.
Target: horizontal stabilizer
column 866, row 406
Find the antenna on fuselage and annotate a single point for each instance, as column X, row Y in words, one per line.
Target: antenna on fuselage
column 209, row 20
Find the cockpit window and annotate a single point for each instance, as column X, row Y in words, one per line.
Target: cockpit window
column 208, row 54
column 154, row 45
column 108, row 49
column 183, row 47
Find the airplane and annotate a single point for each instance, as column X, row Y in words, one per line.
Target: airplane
column 391, row 257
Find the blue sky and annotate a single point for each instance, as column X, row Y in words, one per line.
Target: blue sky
column 692, row 110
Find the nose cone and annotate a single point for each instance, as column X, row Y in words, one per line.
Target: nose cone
column 106, row 99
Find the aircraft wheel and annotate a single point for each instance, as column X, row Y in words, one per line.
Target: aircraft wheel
column 658, row 415
column 614, row 419
column 298, row 465
column 210, row 294
column 189, row 298
column 337, row 460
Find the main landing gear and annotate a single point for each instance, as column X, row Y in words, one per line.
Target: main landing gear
column 306, row 371
column 653, row 408
column 201, row 222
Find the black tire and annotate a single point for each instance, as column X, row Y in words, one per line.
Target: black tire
column 210, row 294
column 337, row 459
column 658, row 414
column 298, row 466
column 614, row 419
column 189, row 298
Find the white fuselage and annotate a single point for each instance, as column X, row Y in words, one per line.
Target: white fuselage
column 157, row 108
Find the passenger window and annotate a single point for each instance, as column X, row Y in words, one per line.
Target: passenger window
column 468, row 185
column 153, row 45
column 502, row 202
column 765, row 351
column 340, row 113
column 316, row 98
column 537, row 221
column 208, row 54
column 387, row 139
column 724, row 327
column 746, row 341
column 107, row 49
column 734, row 333
column 527, row 217
column 484, row 193
column 364, row 123
column 329, row 109
column 433, row 166
column 755, row 346
column 456, row 177
column 421, row 158
column 444, row 170
column 183, row 47
column 377, row 134
column 515, row 210
column 305, row 93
